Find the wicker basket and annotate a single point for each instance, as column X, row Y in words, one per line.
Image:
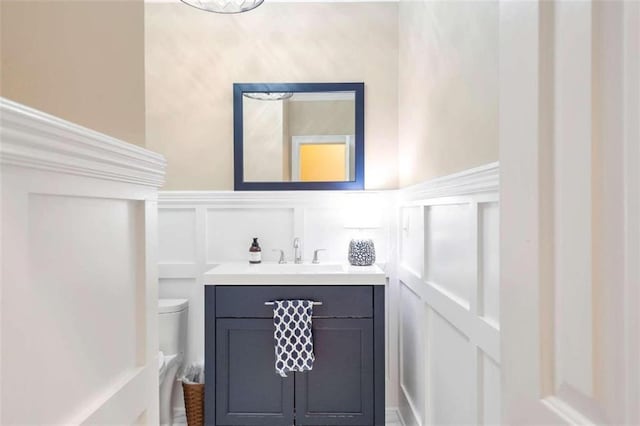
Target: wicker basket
column 194, row 403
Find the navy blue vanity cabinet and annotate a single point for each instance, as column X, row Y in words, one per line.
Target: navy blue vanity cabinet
column 339, row 389
column 346, row 385
column 247, row 390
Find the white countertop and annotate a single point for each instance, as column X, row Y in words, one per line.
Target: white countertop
column 267, row 273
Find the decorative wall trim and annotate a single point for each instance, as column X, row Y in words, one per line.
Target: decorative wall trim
column 402, row 420
column 468, row 182
column 221, row 199
column 566, row 412
column 410, row 411
column 34, row 139
column 473, row 181
column 393, row 417
column 424, row 237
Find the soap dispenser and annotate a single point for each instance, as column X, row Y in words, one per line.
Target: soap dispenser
column 255, row 252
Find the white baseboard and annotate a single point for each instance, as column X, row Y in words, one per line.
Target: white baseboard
column 179, row 416
column 394, row 413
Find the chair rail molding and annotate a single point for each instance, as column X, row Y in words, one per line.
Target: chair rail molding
column 477, row 180
column 222, row 199
column 34, row 139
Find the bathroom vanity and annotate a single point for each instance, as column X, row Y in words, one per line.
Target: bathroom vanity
column 346, row 385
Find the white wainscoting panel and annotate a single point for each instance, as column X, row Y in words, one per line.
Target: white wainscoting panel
column 489, row 262
column 177, row 236
column 451, row 373
column 325, row 228
column 448, row 250
column 412, row 351
column 490, row 404
column 63, row 230
column 79, row 283
column 449, row 316
column 411, row 242
column 231, row 231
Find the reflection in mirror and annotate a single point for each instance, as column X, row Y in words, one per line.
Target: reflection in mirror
column 268, row 96
column 298, row 136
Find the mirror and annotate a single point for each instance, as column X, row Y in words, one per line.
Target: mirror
column 290, row 136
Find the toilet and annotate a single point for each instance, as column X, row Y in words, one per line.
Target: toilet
column 172, row 337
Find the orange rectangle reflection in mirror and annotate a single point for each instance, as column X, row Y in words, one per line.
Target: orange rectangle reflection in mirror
column 323, row 162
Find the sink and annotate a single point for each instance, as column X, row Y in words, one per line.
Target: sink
column 293, row 268
column 244, row 273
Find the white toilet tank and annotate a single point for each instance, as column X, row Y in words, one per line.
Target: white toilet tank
column 172, row 325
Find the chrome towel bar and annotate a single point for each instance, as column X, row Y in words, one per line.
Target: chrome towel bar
column 314, row 303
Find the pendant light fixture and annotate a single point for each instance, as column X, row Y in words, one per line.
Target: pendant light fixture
column 268, row 96
column 224, row 6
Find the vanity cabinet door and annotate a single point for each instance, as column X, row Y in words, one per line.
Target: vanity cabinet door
column 248, row 390
column 340, row 388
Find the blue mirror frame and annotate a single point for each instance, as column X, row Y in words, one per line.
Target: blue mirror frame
column 238, row 160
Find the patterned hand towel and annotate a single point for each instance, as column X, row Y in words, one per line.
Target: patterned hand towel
column 292, row 336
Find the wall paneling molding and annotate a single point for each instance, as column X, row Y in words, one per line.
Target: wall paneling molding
column 449, row 328
column 79, row 274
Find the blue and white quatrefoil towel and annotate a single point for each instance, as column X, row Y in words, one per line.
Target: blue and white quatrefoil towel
column 292, row 336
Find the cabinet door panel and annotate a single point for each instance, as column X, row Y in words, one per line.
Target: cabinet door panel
column 339, row 389
column 248, row 390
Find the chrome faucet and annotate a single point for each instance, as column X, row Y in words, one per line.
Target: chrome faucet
column 297, row 252
column 315, row 256
column 282, row 259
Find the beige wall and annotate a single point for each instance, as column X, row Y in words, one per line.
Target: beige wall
column 80, row 60
column 448, row 87
column 193, row 58
column 430, row 70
